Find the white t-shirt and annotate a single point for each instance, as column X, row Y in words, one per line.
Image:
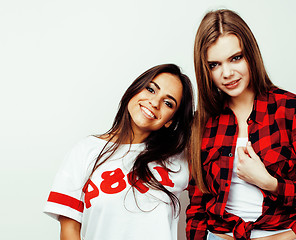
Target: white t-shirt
column 245, row 200
column 109, row 208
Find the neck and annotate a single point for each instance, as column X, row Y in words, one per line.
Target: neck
column 139, row 137
column 243, row 101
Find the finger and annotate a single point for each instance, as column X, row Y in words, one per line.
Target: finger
column 251, row 151
column 241, row 155
column 241, row 152
column 239, row 165
column 238, row 174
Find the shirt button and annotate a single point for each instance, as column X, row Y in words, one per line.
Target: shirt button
column 230, row 155
column 226, row 184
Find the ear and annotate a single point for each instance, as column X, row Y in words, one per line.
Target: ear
column 168, row 124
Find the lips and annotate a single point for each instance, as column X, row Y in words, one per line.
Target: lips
column 231, row 84
column 148, row 113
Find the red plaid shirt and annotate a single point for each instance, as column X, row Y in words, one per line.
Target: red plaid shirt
column 272, row 131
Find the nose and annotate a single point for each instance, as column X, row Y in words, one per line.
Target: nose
column 155, row 102
column 227, row 71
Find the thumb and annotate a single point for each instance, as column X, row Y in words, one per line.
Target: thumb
column 251, row 151
column 241, row 151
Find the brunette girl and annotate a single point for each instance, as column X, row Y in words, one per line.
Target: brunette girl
column 125, row 183
column 243, row 147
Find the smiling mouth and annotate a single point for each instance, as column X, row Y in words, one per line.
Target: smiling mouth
column 148, row 112
column 231, row 83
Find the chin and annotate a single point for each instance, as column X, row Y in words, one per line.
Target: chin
column 235, row 93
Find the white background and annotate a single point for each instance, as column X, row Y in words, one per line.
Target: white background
column 64, row 65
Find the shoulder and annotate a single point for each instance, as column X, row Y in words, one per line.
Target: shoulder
column 89, row 143
column 282, row 102
column 85, row 150
column 282, row 96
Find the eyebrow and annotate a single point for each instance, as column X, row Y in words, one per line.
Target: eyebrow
column 232, row 56
column 235, row 54
column 169, row 96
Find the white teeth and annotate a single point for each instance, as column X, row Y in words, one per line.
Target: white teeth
column 233, row 82
column 148, row 112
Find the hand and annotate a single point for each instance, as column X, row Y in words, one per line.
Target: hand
column 251, row 169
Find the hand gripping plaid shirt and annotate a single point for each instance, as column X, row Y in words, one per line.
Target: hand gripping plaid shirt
column 272, row 131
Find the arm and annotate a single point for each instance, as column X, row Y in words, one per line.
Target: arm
column 70, row 229
column 196, row 228
column 250, row 167
column 287, row 187
column 252, row 170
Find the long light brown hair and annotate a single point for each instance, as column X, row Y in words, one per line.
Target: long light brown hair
column 210, row 99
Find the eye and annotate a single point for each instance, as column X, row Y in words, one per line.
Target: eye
column 169, row 104
column 213, row 65
column 150, row 89
column 237, row 58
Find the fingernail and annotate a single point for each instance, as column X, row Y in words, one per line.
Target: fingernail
column 249, row 143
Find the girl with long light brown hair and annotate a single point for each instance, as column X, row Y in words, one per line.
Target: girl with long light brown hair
column 243, row 142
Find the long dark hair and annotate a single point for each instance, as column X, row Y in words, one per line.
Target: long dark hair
column 160, row 144
column 210, row 99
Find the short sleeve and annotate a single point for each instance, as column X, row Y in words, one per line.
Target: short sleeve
column 66, row 195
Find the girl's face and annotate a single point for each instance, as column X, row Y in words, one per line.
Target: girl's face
column 156, row 104
column 230, row 70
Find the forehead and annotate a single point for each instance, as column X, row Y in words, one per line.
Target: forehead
column 169, row 84
column 223, row 48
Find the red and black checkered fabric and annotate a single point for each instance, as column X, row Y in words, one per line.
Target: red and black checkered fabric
column 272, row 131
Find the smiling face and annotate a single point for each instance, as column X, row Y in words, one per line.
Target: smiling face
column 154, row 106
column 229, row 68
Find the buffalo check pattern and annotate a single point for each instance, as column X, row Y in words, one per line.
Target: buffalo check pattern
column 272, row 132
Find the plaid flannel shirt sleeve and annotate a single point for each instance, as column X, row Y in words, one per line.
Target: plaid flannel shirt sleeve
column 196, row 228
column 287, row 187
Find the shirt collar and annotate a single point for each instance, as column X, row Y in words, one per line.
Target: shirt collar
column 259, row 108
